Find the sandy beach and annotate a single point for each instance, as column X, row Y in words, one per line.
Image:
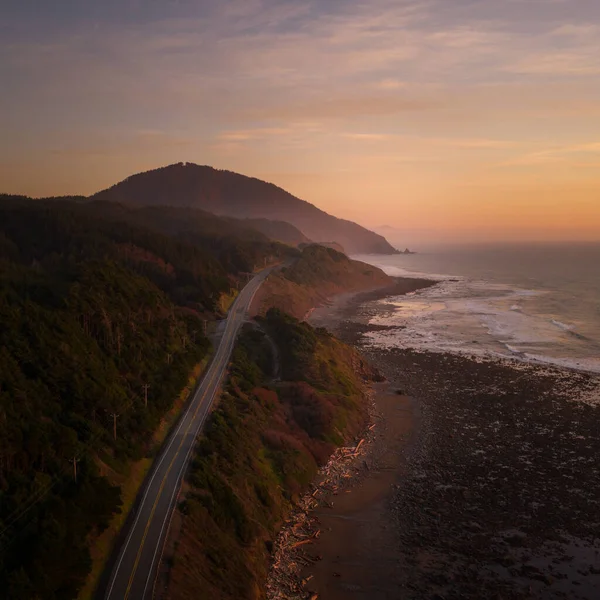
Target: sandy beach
column 482, row 480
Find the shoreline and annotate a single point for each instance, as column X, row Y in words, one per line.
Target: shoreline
column 495, row 495
column 343, row 509
column 308, row 561
column 334, row 309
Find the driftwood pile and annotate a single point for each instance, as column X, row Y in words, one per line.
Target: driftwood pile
column 302, row 528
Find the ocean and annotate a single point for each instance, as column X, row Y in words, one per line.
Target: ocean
column 538, row 303
column 496, row 490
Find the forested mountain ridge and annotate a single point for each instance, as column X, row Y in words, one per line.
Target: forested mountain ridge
column 204, row 228
column 92, row 308
column 232, row 194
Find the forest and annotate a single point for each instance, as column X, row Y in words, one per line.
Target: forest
column 102, row 313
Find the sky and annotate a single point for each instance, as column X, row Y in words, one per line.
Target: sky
column 447, row 120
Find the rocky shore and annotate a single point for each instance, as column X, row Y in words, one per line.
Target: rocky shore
column 493, row 492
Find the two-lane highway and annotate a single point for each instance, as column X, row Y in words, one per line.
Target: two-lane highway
column 135, row 570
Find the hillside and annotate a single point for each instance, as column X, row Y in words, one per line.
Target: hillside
column 279, row 231
column 332, row 245
column 318, row 274
column 194, row 221
column 97, row 301
column 261, row 448
column 93, row 306
column 232, row 194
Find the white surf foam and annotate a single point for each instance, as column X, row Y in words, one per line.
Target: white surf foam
column 478, row 318
column 562, row 326
column 401, row 272
column 589, row 365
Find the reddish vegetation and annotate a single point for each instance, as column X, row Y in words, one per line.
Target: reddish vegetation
column 141, row 255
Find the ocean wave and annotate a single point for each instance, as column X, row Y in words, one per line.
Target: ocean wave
column 393, row 271
column 562, row 326
column 487, row 318
column 528, row 293
column 514, row 350
column 588, row 365
column 480, row 319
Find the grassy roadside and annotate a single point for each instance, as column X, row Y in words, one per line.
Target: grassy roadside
column 131, row 482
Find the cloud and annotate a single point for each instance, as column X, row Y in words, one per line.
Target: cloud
column 97, row 143
column 391, row 84
column 339, row 107
column 580, row 30
column 368, row 137
column 559, row 63
column 448, row 142
column 468, row 37
column 252, row 134
column 260, row 83
column 572, row 154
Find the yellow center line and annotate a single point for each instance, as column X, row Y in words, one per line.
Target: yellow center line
column 163, row 482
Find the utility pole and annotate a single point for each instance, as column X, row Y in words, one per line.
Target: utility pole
column 169, row 355
column 75, row 461
column 204, row 326
column 145, row 388
column 115, row 416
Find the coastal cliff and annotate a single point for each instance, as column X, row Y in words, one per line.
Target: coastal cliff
column 316, row 275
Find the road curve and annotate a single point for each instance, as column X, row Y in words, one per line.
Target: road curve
column 135, row 569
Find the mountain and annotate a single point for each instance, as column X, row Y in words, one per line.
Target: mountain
column 235, row 195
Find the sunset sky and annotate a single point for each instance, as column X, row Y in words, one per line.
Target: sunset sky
column 447, row 119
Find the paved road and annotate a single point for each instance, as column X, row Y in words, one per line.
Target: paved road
column 135, row 570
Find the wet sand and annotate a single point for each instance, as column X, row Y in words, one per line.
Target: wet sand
column 357, row 546
column 486, row 485
column 332, row 313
